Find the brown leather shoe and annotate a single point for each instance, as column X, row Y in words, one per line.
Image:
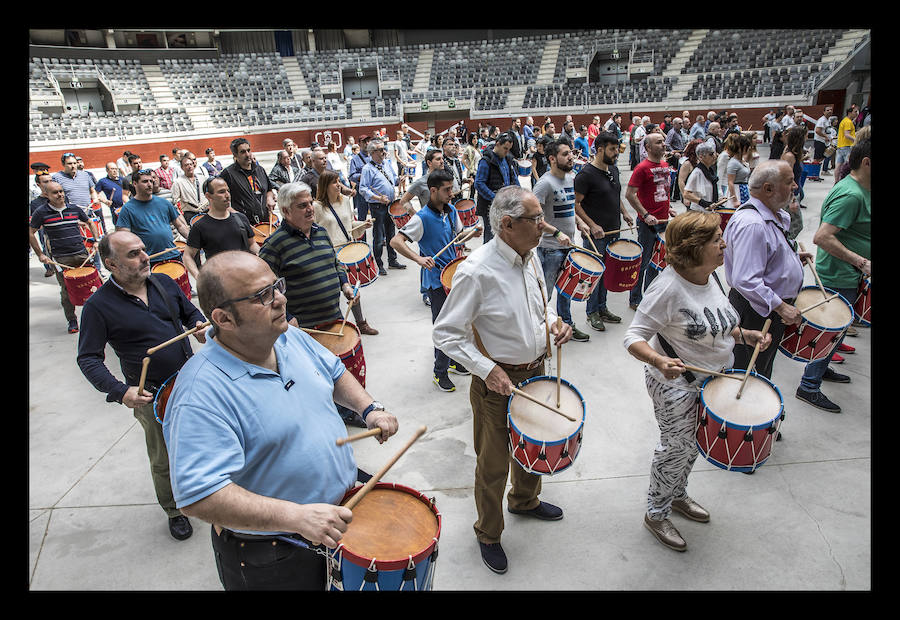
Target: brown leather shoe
column 665, row 533
column 691, row 509
column 366, row 330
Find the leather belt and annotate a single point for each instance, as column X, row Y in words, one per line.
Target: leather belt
column 260, row 537
column 521, row 367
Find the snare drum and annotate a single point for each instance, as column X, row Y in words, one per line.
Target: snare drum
column 448, row 272
column 725, row 213
column 863, row 305
column 541, row 441
column 465, row 208
column 623, row 264
column 81, row 282
column 358, row 260
column 177, row 271
column 580, row 275
column 399, row 214
column 819, row 329
column 524, row 168
column 162, row 398
column 737, row 433
column 391, row 544
column 658, row 260
column 262, row 231
column 347, row 347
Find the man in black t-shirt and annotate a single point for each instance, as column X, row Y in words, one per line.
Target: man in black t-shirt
column 598, row 202
column 251, row 190
column 219, row 230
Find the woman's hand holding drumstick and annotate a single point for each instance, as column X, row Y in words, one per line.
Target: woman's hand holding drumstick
column 756, row 349
column 358, row 496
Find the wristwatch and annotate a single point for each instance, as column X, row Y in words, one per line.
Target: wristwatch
column 375, row 406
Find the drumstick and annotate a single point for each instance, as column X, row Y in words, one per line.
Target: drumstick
column 340, row 441
column 457, row 239
column 712, row 372
column 819, row 303
column 812, row 268
column 558, row 361
column 90, row 256
column 612, row 232
column 720, row 202
column 374, row 480
column 161, row 253
column 349, row 306
column 765, row 329
column 153, row 350
column 310, row 330
column 528, row 396
column 146, row 363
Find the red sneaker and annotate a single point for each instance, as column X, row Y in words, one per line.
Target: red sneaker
column 837, row 359
column 846, row 348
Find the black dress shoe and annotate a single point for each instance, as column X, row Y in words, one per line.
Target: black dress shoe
column 382, row 271
column 817, row 399
column 494, row 557
column 180, row 527
column 543, row 511
column 396, row 265
column 835, row 377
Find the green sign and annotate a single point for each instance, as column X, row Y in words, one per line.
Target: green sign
column 424, row 105
column 451, row 103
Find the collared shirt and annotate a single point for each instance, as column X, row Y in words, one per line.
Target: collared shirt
column 698, row 131
column 77, row 188
column 272, row 433
column 112, row 316
column 313, row 275
column 759, row 262
column 374, row 181
column 432, row 230
column 166, row 176
column 503, row 297
column 112, row 189
column 61, row 231
column 675, row 140
column 151, row 220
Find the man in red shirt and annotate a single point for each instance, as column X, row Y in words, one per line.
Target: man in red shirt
column 648, row 193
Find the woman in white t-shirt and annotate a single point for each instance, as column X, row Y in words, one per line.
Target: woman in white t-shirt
column 699, row 326
column 701, row 189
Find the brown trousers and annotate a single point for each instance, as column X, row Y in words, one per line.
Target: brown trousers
column 494, row 463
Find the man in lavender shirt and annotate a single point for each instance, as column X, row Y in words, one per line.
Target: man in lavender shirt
column 762, row 266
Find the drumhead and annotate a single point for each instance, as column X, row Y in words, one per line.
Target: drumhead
column 835, row 314
column 337, row 344
column 353, row 252
column 625, row 248
column 464, row 204
column 79, row 272
column 540, row 424
column 397, row 209
column 391, row 524
column 173, row 269
column 586, row 261
column 449, row 270
column 759, row 404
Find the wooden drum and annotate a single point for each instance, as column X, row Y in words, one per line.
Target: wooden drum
column 177, row 271
column 449, row 271
column 81, row 282
column 819, row 329
column 623, row 265
column 347, row 347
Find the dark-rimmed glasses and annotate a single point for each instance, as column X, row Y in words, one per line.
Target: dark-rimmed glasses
column 264, row 296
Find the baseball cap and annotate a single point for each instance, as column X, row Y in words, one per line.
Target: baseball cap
column 39, row 165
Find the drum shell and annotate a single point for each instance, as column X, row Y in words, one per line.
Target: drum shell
column 181, row 277
column 448, row 271
column 808, row 341
column 351, row 356
column 362, row 271
column 80, row 286
column 524, row 167
column 262, row 231
column 725, row 213
column 465, row 208
column 622, row 271
column 575, row 281
column 544, row 457
column 399, row 214
column 161, row 399
column 658, row 259
column 718, row 450
column 862, row 308
column 354, row 565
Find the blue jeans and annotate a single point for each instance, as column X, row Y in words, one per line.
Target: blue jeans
column 382, row 232
column 814, row 371
column 552, row 262
column 646, row 236
column 441, row 361
column 597, row 301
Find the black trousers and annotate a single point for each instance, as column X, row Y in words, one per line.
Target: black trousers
column 750, row 319
column 266, row 564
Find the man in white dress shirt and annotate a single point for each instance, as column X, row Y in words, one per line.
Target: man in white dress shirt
column 497, row 323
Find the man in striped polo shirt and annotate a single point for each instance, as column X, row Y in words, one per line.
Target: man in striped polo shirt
column 300, row 251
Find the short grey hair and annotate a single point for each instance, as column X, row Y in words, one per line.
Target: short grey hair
column 507, row 201
column 374, row 144
column 766, row 172
column 289, row 191
column 705, row 148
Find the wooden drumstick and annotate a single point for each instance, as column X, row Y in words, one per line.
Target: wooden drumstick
column 819, row 303
column 371, row 483
column 90, row 256
column 558, row 361
column 528, row 396
column 765, row 330
column 812, row 267
column 468, row 235
column 310, row 330
column 349, row 306
column 146, row 362
column 713, row 372
column 340, row 441
column 618, row 230
column 161, row 253
column 185, row 334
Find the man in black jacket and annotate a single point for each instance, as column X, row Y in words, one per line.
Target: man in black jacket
column 496, row 169
column 251, row 190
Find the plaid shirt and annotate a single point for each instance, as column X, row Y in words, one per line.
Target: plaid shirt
column 166, row 177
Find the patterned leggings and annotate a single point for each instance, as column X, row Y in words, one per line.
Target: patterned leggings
column 676, row 451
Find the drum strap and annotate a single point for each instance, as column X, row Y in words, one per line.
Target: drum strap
column 341, row 224
column 172, row 314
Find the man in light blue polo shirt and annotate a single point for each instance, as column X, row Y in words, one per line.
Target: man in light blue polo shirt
column 251, row 427
column 149, row 217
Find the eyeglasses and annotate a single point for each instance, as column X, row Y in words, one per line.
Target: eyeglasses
column 537, row 219
column 265, row 296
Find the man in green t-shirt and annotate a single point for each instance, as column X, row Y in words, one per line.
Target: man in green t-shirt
column 844, row 241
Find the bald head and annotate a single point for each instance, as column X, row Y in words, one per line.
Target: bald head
column 223, row 275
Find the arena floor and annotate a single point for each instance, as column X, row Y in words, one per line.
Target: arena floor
column 802, row 522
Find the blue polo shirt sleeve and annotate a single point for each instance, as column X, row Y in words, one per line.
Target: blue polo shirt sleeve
column 365, row 182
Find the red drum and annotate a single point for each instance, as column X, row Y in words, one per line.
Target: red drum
column 733, row 433
column 177, row 271
column 347, row 347
column 358, row 260
column 863, row 305
column 819, row 329
column 81, row 282
column 448, row 271
column 541, row 441
column 580, row 275
column 725, row 213
column 466, row 210
column 658, row 260
column 399, row 213
column 262, row 231
column 162, row 398
column 623, row 264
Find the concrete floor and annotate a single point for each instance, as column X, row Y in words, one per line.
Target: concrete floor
column 802, row 522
